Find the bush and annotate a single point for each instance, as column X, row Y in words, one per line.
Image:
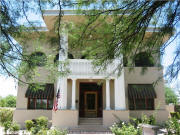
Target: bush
column 173, row 126
column 6, row 115
column 6, row 126
column 57, row 132
column 42, row 122
column 126, row 129
column 37, row 126
column 175, row 115
column 14, row 127
column 29, row 124
column 144, row 119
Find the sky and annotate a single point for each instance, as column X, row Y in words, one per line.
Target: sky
column 9, row 86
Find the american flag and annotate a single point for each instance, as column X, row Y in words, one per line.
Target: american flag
column 55, row 106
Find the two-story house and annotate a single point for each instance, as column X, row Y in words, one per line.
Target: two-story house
column 85, row 97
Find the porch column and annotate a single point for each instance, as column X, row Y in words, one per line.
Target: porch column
column 119, row 92
column 73, row 104
column 62, row 81
column 107, row 95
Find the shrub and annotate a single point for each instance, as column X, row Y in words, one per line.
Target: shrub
column 126, row 129
column 6, row 115
column 57, row 132
column 37, row 126
column 14, row 127
column 42, row 122
column 29, row 124
column 6, row 126
column 144, row 119
column 175, row 114
column 173, row 126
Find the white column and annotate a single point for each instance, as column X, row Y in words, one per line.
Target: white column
column 62, row 81
column 107, row 95
column 119, row 92
column 73, row 104
column 62, row 86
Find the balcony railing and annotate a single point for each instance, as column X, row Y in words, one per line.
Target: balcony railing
column 85, row 67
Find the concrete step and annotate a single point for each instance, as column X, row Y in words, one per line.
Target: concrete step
column 90, row 121
column 89, row 129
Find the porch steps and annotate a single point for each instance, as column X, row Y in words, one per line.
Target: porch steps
column 90, row 121
column 90, row 126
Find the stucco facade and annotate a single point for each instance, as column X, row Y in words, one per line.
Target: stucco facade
column 113, row 101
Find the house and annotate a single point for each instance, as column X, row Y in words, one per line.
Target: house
column 86, row 96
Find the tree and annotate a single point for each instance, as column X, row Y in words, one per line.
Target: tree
column 113, row 28
column 8, row 101
column 170, row 96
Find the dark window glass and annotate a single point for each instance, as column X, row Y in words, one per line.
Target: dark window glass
column 44, row 104
column 131, row 104
column 144, row 59
column 150, row 104
column 31, row 103
column 91, row 101
column 38, row 59
column 38, row 103
column 50, row 104
column 141, row 104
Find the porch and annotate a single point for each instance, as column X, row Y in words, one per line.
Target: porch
column 84, row 93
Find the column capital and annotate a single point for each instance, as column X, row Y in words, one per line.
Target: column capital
column 73, row 79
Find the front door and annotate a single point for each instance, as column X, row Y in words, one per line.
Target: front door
column 90, row 103
column 90, row 100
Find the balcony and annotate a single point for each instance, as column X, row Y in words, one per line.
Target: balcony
column 84, row 67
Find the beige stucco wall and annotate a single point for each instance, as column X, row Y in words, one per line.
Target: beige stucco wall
column 65, row 118
column 112, row 116
column 151, row 75
column 21, row 115
column 170, row 108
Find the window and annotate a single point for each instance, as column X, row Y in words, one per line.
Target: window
column 38, row 59
column 141, row 104
column 144, row 59
column 40, row 103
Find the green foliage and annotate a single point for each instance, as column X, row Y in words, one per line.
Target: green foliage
column 170, row 96
column 29, row 124
column 6, row 115
column 9, row 101
column 7, row 125
column 173, row 126
column 144, row 119
column 57, row 132
column 42, row 122
column 14, row 127
column 125, row 129
column 175, row 115
column 38, row 126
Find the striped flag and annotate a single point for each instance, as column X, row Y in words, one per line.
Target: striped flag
column 55, row 106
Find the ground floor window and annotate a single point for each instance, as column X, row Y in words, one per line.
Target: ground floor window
column 141, row 104
column 37, row 103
